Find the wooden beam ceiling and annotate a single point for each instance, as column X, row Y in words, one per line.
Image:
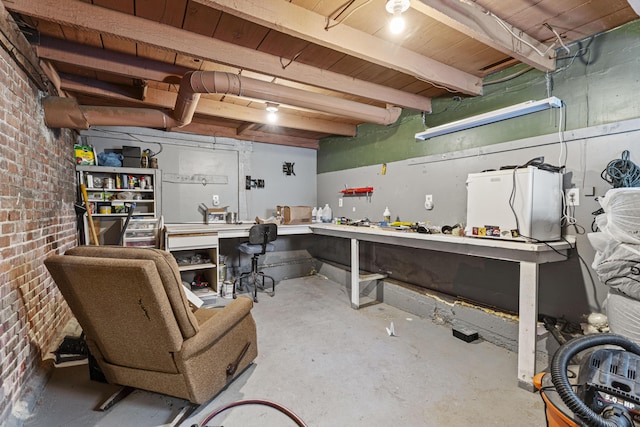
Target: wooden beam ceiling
column 77, row 14
column 302, row 23
column 483, row 25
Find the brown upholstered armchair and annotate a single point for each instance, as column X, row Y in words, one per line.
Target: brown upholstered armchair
column 140, row 328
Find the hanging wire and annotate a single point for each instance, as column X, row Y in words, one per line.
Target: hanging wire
column 341, row 9
column 622, row 172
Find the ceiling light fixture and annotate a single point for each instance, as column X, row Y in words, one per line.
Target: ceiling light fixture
column 491, row 117
column 396, row 7
column 272, row 109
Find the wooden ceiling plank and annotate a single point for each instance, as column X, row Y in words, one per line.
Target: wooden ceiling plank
column 471, row 20
column 82, row 15
column 208, row 107
column 240, row 32
column 167, row 12
column 201, row 19
column 302, row 23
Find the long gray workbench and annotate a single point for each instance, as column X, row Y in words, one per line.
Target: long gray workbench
column 528, row 255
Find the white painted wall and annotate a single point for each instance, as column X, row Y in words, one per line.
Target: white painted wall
column 194, row 168
column 405, row 184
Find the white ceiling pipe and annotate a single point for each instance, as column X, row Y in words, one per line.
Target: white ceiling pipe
column 194, row 83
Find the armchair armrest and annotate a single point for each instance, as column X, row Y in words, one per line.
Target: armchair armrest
column 216, row 326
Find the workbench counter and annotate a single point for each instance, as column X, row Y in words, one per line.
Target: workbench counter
column 527, row 254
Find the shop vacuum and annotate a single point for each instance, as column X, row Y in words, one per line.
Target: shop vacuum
column 601, row 390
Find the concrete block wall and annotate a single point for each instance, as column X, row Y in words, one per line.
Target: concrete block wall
column 37, row 219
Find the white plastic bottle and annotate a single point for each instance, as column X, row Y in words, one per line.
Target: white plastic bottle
column 327, row 215
column 314, row 214
column 386, row 215
column 319, row 214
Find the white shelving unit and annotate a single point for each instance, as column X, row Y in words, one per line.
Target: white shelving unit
column 196, row 253
column 112, row 190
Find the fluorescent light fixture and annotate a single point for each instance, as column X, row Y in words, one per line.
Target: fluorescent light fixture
column 491, row 117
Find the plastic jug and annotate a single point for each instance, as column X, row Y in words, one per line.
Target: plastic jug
column 319, row 217
column 327, row 215
column 314, row 214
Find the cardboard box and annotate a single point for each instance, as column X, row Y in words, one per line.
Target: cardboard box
column 216, row 215
column 295, row 214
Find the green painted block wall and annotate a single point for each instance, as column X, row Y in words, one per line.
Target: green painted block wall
column 599, row 82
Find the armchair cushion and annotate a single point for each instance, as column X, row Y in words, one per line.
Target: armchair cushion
column 168, row 270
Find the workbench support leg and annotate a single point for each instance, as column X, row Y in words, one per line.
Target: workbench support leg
column 355, row 273
column 527, row 327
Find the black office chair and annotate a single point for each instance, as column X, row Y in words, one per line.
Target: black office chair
column 260, row 238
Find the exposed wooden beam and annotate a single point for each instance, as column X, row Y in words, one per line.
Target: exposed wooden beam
column 98, row 87
column 256, row 136
column 207, row 107
column 105, row 60
column 472, row 20
column 82, row 15
column 302, row 23
column 52, row 75
column 15, row 45
column 246, row 127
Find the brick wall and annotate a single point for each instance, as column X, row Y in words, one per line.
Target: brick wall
column 37, row 219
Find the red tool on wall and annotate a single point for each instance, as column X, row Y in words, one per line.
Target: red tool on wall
column 358, row 191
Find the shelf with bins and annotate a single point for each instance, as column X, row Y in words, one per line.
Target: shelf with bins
column 111, row 191
column 141, row 232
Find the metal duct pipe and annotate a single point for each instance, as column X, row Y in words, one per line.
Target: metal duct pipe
column 194, row 83
column 67, row 113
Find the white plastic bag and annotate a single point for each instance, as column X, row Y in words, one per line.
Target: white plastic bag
column 624, row 315
column 617, row 264
column 621, row 217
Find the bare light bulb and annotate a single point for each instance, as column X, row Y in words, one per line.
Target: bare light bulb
column 397, row 24
column 272, row 116
column 396, row 7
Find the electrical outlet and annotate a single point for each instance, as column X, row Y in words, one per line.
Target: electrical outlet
column 428, row 202
column 340, row 202
column 573, row 197
column 216, row 200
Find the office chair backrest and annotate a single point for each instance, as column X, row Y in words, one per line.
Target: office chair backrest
column 261, row 234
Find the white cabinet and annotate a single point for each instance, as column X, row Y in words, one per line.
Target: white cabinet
column 196, row 252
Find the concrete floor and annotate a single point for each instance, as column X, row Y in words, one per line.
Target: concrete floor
column 332, row 366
